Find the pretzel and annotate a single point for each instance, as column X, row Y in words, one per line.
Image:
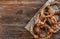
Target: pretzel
column 50, row 10
column 53, row 21
column 55, row 2
column 38, row 20
column 48, row 33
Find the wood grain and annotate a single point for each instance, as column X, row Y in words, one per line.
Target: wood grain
column 14, row 15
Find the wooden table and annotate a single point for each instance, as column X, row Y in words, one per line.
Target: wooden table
column 15, row 14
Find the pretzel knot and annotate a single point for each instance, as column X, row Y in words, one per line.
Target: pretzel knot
column 40, row 19
column 40, row 31
column 52, row 23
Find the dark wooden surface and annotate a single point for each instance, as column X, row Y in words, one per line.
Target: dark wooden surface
column 15, row 14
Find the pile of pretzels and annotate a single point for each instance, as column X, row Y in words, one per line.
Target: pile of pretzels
column 45, row 22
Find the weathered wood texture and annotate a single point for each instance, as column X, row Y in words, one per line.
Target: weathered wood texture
column 15, row 14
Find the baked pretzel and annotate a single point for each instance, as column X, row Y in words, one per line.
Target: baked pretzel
column 55, row 2
column 52, row 23
column 40, row 19
column 50, row 11
column 48, row 31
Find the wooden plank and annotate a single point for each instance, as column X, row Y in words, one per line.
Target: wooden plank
column 13, row 32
